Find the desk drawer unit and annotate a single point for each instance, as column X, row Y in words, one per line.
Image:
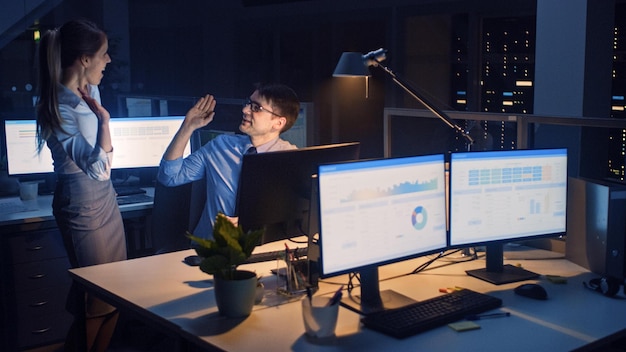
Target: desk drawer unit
column 41, row 274
column 40, row 321
column 35, row 287
column 34, row 246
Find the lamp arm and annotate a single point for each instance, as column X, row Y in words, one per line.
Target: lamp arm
column 439, row 113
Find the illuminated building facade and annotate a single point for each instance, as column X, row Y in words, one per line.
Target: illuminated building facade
column 617, row 137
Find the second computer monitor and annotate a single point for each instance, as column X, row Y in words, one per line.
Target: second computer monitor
column 506, row 196
column 275, row 188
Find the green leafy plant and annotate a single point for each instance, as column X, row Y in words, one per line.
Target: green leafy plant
column 229, row 248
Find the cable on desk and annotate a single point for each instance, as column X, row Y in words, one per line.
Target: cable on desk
column 297, row 242
column 350, row 286
column 441, row 255
column 355, row 275
column 467, row 254
column 425, row 265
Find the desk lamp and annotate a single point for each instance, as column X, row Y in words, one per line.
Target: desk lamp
column 354, row 64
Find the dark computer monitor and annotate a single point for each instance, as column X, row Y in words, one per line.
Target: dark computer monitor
column 375, row 212
column 275, row 188
column 506, row 196
column 138, row 142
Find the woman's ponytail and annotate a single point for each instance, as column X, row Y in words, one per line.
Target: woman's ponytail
column 49, row 77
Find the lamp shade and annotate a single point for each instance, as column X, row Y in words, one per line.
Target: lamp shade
column 351, row 65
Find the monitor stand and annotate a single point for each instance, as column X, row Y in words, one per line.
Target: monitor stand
column 372, row 299
column 496, row 272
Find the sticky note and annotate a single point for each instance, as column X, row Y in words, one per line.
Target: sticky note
column 464, row 326
column 555, row 279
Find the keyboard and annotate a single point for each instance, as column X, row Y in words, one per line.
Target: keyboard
column 128, row 190
column 274, row 255
column 429, row 314
column 134, row 199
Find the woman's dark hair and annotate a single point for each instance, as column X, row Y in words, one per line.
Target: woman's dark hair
column 59, row 49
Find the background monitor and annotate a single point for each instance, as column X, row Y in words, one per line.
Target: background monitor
column 375, row 212
column 138, row 141
column 275, row 188
column 141, row 141
column 506, row 196
column 22, row 156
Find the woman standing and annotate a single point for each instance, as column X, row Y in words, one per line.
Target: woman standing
column 71, row 121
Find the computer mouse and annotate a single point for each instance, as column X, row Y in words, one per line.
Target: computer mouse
column 534, row 291
column 193, row 260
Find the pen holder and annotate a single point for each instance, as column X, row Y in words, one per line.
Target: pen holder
column 320, row 318
column 296, row 276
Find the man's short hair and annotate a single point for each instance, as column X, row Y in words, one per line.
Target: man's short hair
column 284, row 101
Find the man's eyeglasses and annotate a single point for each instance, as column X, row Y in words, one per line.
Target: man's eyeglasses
column 256, row 107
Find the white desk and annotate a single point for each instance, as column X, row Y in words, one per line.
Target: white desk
column 40, row 209
column 177, row 298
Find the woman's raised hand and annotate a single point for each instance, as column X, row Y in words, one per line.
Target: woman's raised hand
column 102, row 113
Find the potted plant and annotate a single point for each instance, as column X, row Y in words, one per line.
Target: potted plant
column 234, row 289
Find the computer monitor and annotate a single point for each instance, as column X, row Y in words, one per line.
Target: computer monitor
column 275, row 188
column 139, row 142
column 375, row 212
column 506, row 196
column 21, row 147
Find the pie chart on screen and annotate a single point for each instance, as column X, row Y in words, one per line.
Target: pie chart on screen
column 419, row 217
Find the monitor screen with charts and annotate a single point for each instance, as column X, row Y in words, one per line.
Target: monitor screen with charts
column 506, row 196
column 375, row 212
